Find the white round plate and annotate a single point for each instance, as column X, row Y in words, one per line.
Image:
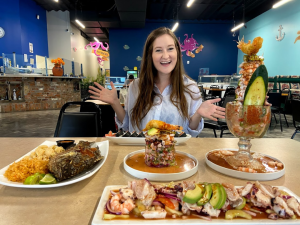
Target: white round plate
column 160, row 176
column 245, row 175
column 141, row 140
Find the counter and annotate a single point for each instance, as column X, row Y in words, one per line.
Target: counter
column 37, row 92
column 77, row 203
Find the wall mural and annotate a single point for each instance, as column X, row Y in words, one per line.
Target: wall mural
column 189, row 45
column 101, row 55
column 281, row 34
column 297, row 38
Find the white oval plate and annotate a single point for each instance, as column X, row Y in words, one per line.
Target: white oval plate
column 98, row 216
column 245, row 175
column 103, row 147
column 141, row 140
column 160, row 176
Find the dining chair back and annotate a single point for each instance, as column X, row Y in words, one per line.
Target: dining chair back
column 296, row 116
column 85, row 123
column 215, row 93
column 275, row 98
column 203, row 93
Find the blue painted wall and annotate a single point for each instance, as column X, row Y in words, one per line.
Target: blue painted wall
column 281, row 57
column 219, row 53
column 18, row 19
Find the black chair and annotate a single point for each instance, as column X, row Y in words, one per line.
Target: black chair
column 214, row 93
column 296, row 116
column 219, row 125
column 107, row 118
column 203, row 93
column 86, row 123
column 230, row 91
column 276, row 108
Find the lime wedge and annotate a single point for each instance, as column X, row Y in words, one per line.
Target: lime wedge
column 34, row 179
column 48, row 179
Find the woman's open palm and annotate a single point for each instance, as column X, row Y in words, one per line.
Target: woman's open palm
column 211, row 111
column 103, row 94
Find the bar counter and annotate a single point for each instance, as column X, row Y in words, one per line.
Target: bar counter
column 77, row 203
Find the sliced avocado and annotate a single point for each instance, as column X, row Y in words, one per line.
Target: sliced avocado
column 217, row 196
column 153, row 131
column 224, row 196
column 256, row 90
column 192, row 196
column 207, row 195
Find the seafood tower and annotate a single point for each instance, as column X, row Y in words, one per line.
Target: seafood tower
column 250, row 64
column 248, row 117
column 160, row 144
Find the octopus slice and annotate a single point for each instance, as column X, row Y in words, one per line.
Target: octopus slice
column 262, row 198
column 143, row 191
column 294, row 205
column 267, row 189
column 208, row 209
column 246, row 190
column 231, row 192
column 155, row 214
column 280, row 202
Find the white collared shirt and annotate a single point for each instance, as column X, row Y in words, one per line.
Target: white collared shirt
column 162, row 110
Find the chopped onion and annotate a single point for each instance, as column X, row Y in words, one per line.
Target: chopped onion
column 250, row 213
column 148, row 181
column 108, row 208
column 171, row 197
column 202, row 217
column 254, row 210
column 113, row 193
column 165, row 192
column 158, row 203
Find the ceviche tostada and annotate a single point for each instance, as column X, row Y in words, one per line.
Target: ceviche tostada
column 190, row 200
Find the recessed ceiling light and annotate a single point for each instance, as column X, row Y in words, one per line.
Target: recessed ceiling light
column 237, row 27
column 280, row 3
column 190, row 3
column 77, row 21
column 175, row 26
column 56, row 0
column 96, row 39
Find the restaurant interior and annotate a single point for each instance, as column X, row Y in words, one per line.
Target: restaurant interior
column 64, row 159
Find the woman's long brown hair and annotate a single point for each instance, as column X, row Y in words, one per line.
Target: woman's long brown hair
column 148, row 73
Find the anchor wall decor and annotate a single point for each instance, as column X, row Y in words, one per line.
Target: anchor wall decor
column 281, row 34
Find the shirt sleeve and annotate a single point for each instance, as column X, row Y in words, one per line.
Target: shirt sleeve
column 195, row 104
column 125, row 123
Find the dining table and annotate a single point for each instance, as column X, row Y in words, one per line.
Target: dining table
column 77, row 203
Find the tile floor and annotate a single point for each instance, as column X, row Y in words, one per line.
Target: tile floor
column 43, row 123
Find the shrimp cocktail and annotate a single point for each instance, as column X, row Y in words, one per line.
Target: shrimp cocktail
column 160, row 144
column 246, row 122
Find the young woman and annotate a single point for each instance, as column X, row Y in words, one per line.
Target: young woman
column 163, row 91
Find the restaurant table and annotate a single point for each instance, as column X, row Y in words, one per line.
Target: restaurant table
column 77, row 203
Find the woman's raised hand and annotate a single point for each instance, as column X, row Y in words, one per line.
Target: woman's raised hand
column 103, row 94
column 211, row 111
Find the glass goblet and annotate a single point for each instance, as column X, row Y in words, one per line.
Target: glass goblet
column 246, row 123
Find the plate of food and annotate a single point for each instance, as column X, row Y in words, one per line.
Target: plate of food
column 272, row 168
column 138, row 138
column 50, row 165
column 190, row 202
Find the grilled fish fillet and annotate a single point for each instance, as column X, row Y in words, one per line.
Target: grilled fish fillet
column 75, row 160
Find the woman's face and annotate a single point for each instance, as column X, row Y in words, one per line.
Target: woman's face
column 164, row 54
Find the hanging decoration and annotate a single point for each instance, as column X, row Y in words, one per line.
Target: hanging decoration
column 139, row 58
column 125, row 68
column 101, row 55
column 297, row 38
column 189, row 45
column 281, row 34
column 126, row 47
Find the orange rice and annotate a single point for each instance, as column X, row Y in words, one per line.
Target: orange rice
column 19, row 171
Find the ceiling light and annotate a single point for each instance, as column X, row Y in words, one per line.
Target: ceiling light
column 237, row 27
column 56, row 0
column 190, row 3
column 96, row 39
column 280, row 3
column 77, row 21
column 175, row 26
